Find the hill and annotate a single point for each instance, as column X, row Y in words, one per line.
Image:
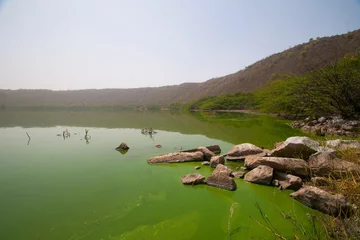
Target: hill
column 296, row 60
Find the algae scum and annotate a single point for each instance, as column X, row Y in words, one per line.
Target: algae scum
column 56, row 188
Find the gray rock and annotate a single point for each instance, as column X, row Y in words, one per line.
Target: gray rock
column 178, row 157
column 220, row 178
column 325, row 164
column 238, row 174
column 205, row 163
column 288, row 181
column 343, row 144
column 297, row 147
column 260, row 175
column 207, row 153
column 239, row 152
column 321, row 120
column 295, row 166
column 323, row 201
column 213, row 148
column 215, row 160
column 193, row 179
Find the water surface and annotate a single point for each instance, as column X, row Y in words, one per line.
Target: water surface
column 56, row 188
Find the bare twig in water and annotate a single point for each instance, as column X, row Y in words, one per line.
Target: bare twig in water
column 29, row 138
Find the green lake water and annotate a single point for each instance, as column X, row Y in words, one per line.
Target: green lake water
column 54, row 188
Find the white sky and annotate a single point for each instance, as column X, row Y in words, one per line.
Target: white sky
column 82, row 44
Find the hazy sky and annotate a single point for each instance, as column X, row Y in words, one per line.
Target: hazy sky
column 81, row 44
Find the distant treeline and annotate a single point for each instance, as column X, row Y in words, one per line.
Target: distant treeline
column 330, row 90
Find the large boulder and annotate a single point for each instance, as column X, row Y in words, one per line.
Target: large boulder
column 295, row 166
column 239, row 152
column 193, row 179
column 323, row 201
column 178, row 157
column 220, row 178
column 207, row 153
column 343, row 144
column 288, row 181
column 298, row 147
column 260, row 175
column 215, row 160
column 325, row 164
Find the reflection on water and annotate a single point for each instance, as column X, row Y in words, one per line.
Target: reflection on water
column 236, row 128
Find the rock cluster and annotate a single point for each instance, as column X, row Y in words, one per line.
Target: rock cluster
column 329, row 126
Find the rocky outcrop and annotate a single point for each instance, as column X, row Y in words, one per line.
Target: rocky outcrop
column 213, row 148
column 343, row 144
column 260, row 175
column 297, row 147
column 207, row 153
column 193, row 179
column 325, row 164
column 295, row 166
column 122, row 147
column 329, row 126
column 288, row 181
column 178, row 157
column 215, row 160
column 239, row 152
column 323, row 201
column 238, row 174
column 220, row 178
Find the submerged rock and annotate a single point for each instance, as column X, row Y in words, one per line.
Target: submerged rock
column 323, row 201
column 122, row 146
column 220, row 178
column 193, row 179
column 197, row 167
column 325, row 163
column 215, row 160
column 298, row 147
column 260, row 175
column 295, row 166
column 288, row 181
column 238, row 174
column 177, row 157
column 239, row 152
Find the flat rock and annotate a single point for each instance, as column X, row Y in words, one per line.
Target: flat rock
column 239, row 152
column 288, row 181
column 298, row 147
column 295, row 166
column 213, row 148
column 260, row 175
column 343, row 144
column 325, row 163
column 197, row 167
column 238, row 174
column 323, row 201
column 220, row 178
column 193, row 179
column 177, row 157
column 215, row 160
column 205, row 163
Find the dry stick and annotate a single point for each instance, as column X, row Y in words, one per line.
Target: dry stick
column 28, row 135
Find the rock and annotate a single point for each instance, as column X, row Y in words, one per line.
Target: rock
column 288, row 181
column 213, row 148
column 197, row 167
column 220, row 178
column 239, row 152
column 260, row 175
column 158, row 145
column 321, row 120
column 320, row 181
column 205, row 163
column 178, row 157
column 275, row 183
column 122, row 146
column 297, row 147
column 295, row 166
column 323, row 201
column 193, row 179
column 207, row 153
column 215, row 160
column 238, row 174
column 325, row 164
column 343, row 144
